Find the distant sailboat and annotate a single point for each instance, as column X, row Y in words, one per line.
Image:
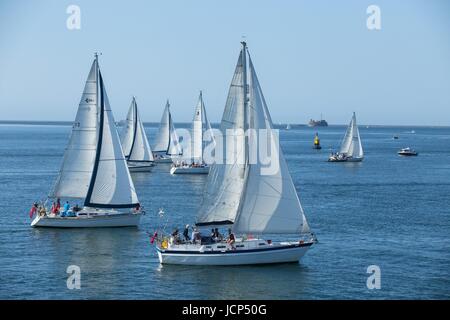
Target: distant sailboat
column 238, row 196
column 167, row 145
column 351, row 147
column 135, row 145
column 93, row 169
column 288, row 127
column 200, row 124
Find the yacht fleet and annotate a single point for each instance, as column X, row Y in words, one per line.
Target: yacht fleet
column 242, row 194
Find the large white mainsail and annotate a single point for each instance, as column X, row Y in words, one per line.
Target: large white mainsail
column 270, row 203
column 166, row 138
column 351, row 144
column 134, row 140
column 111, row 185
column 239, row 194
column 76, row 170
column 225, row 181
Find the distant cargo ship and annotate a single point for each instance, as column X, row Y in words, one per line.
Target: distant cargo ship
column 317, row 123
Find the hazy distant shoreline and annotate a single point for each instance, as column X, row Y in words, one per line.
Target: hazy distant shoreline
column 186, row 124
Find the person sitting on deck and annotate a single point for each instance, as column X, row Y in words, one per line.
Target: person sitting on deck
column 66, row 209
column 231, row 239
column 53, row 209
column 175, row 238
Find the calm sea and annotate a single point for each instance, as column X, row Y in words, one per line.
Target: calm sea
column 387, row 211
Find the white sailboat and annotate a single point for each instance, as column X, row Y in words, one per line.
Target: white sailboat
column 351, row 148
column 238, row 196
column 200, row 124
column 94, row 169
column 135, row 145
column 167, row 145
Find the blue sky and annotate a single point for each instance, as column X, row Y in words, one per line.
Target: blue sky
column 312, row 57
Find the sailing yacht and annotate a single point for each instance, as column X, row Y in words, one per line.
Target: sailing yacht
column 135, row 145
column 240, row 197
column 351, row 147
column 167, row 145
column 200, row 124
column 94, row 169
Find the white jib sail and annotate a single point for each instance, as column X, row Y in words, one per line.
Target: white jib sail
column 128, row 133
column 134, row 140
column 351, row 144
column 225, row 181
column 174, row 148
column 270, row 201
column 111, row 185
column 163, row 136
column 76, row 170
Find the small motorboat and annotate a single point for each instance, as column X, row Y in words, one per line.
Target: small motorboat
column 407, row 152
column 395, row 137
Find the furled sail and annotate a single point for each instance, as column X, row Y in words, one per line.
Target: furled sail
column 270, row 201
column 76, row 170
column 351, row 144
column 134, row 141
column 111, row 185
column 225, row 181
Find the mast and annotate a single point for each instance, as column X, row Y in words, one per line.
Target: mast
column 247, row 167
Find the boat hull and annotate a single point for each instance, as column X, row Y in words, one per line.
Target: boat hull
column 281, row 254
column 97, row 221
column 140, row 166
column 345, row 160
column 189, row 170
column 163, row 160
column 407, row 154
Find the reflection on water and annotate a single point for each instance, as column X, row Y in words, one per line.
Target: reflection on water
column 232, row 282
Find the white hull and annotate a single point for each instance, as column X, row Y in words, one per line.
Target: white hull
column 189, row 170
column 140, row 166
column 89, row 221
column 277, row 253
column 335, row 159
